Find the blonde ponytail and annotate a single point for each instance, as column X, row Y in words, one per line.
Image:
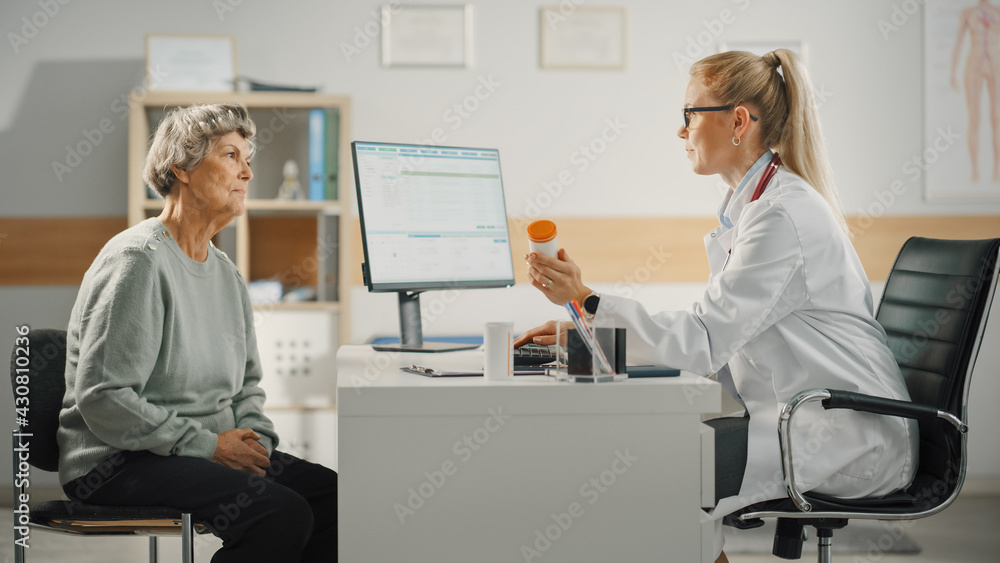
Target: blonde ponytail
column 789, row 120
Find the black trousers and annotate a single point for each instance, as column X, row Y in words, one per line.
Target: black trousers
column 730, row 454
column 288, row 515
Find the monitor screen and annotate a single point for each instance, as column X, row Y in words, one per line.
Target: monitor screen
column 432, row 217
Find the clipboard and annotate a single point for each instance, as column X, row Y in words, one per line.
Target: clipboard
column 431, row 372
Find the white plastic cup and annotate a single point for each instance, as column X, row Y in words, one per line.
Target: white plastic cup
column 542, row 238
column 498, row 360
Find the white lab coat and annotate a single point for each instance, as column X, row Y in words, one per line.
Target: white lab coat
column 792, row 310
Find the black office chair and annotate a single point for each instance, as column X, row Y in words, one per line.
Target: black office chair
column 43, row 360
column 934, row 310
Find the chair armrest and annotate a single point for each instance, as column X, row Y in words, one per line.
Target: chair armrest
column 834, row 399
column 881, row 405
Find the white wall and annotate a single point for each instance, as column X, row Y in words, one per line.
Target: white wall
column 872, row 113
column 68, row 76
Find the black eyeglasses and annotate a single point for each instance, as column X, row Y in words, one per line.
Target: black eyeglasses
column 689, row 111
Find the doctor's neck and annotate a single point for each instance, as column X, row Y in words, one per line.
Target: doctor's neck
column 740, row 162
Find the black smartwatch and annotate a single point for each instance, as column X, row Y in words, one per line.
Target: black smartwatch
column 590, row 304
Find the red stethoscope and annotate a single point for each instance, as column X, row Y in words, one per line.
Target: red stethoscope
column 765, row 179
column 769, row 172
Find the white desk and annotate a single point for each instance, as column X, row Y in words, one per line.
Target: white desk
column 462, row 469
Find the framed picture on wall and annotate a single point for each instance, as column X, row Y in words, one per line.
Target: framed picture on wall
column 960, row 157
column 427, row 36
column 191, row 63
column 583, row 37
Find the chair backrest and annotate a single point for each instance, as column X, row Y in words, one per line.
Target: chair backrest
column 934, row 311
column 45, row 390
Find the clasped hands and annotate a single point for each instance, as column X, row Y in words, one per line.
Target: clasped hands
column 240, row 449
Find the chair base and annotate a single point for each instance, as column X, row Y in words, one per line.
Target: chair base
column 789, row 534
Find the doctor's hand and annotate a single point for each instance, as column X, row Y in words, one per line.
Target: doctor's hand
column 233, row 451
column 559, row 279
column 544, row 335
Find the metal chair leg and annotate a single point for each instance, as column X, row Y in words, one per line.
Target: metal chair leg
column 152, row 549
column 187, row 538
column 825, row 545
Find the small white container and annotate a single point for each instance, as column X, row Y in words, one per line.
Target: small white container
column 542, row 238
column 498, row 357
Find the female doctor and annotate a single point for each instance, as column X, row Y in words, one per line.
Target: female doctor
column 788, row 306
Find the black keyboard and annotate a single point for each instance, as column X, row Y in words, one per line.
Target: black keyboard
column 534, row 355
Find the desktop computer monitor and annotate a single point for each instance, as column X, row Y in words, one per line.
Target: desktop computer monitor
column 432, row 217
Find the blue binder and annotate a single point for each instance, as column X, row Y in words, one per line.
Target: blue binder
column 317, row 154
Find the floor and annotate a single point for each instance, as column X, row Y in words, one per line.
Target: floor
column 968, row 532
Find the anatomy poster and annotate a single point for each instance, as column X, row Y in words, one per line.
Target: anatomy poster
column 961, row 150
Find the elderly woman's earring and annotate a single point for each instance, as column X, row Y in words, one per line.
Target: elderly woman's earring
column 736, row 141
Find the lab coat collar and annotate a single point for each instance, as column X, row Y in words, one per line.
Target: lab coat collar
column 736, row 200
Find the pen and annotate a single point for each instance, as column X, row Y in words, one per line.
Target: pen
column 579, row 313
column 588, row 337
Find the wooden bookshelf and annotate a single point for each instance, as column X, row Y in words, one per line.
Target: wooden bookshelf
column 274, row 236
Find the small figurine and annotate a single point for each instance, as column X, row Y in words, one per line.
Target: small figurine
column 290, row 187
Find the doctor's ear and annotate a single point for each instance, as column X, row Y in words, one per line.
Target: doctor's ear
column 742, row 115
column 742, row 120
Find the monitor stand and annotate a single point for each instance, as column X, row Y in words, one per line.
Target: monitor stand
column 412, row 336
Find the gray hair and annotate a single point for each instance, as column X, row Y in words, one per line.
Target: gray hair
column 186, row 135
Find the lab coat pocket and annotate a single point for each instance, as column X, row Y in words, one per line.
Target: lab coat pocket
column 858, row 451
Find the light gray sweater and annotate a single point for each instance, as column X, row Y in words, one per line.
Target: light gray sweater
column 161, row 354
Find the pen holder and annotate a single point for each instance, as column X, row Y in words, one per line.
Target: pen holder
column 579, row 365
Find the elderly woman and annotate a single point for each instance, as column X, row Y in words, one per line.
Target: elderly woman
column 162, row 402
